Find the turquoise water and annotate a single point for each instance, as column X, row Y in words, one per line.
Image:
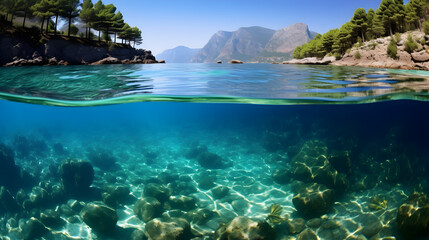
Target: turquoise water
column 264, row 134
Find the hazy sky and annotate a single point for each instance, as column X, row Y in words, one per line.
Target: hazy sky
column 169, row 23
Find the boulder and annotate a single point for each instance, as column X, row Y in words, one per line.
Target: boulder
column 246, row 229
column 52, row 219
column 108, row 60
column 99, row 217
column 282, row 176
column 148, row 208
column 211, row 160
column 183, row 203
column 219, row 61
column 234, row 61
column 307, row 234
column 421, row 56
column 158, row 191
column 314, row 200
column 168, row 228
column 413, row 217
column 76, row 176
column 33, row 229
column 220, row 192
column 161, row 61
column 115, row 195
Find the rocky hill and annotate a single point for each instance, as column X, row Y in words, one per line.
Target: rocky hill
column 254, row 44
column 373, row 53
column 180, row 54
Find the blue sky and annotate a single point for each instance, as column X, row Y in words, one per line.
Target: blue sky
column 169, row 23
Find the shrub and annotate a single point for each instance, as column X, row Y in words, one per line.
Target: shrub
column 426, row 27
column 410, row 44
column 392, row 49
column 348, row 51
column 359, row 41
column 423, row 41
column 357, row 55
column 111, row 46
column 372, row 45
column 337, row 56
column 398, row 37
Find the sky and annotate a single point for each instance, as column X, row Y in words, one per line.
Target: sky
column 166, row 24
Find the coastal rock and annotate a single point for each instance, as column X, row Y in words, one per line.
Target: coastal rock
column 421, row 56
column 312, row 61
column 245, row 228
column 76, row 176
column 314, row 200
column 99, row 217
column 168, row 228
column 108, row 60
column 161, row 61
column 234, row 61
column 148, row 208
column 413, row 217
column 219, row 61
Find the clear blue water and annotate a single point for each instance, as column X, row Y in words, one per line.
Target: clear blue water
column 139, row 124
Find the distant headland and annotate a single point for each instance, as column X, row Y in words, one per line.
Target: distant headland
column 29, row 34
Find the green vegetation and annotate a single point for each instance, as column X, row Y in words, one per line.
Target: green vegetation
column 410, row 44
column 391, row 17
column 102, row 18
column 357, row 55
column 274, row 216
column 392, row 49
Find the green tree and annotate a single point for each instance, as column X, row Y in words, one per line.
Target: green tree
column 370, row 16
column 415, row 12
column 104, row 17
column 87, row 15
column 360, row 22
column 392, row 14
column 24, row 7
column 426, row 27
column 70, row 10
column 328, row 39
column 345, row 38
column 392, row 49
column 117, row 23
column 10, row 7
column 410, row 44
column 297, row 53
column 42, row 9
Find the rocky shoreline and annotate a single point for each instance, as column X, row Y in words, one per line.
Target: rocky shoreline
column 374, row 54
column 22, row 52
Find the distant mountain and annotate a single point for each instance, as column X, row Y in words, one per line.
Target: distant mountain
column 180, row 54
column 255, row 44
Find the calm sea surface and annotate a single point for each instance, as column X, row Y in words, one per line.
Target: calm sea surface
column 340, row 149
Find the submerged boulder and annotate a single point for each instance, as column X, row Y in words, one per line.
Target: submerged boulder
column 99, row 217
column 314, row 200
column 413, row 217
column 168, row 228
column 245, row 228
column 33, row 229
column 148, row 208
column 158, row 191
column 76, row 176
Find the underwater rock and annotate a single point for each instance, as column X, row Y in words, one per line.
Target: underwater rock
column 33, row 229
column 314, row 200
column 282, row 176
column 307, row 234
column 245, row 228
column 99, row 217
column 295, row 226
column 207, row 159
column 370, row 223
column 220, row 192
column 201, row 216
column 8, row 169
column 138, row 235
column 76, row 176
column 183, row 203
column 310, row 164
column 52, row 219
column 240, row 206
column 166, row 177
column 314, row 222
column 413, row 217
column 103, row 160
column 115, row 195
column 7, row 201
column 341, row 161
column 168, row 228
column 158, row 191
column 211, row 160
column 148, row 208
column 206, row 180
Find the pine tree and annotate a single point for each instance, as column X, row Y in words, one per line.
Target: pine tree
column 87, row 15
column 70, row 10
column 118, row 23
column 370, row 16
column 42, row 9
column 328, row 39
column 24, row 7
column 360, row 22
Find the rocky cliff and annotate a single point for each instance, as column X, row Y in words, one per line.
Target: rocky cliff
column 21, row 51
column 180, row 54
